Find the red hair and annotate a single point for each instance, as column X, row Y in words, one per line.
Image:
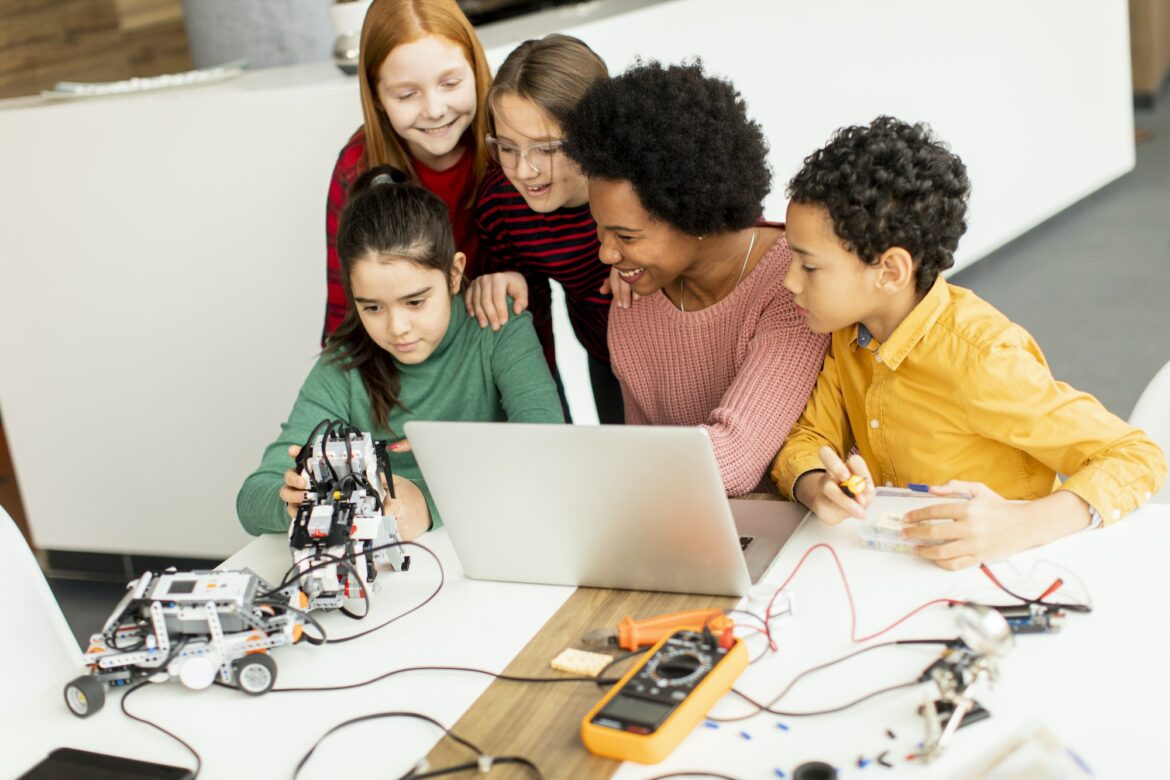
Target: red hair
column 391, row 23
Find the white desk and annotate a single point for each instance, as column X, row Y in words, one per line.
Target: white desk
column 1095, row 685
column 470, row 623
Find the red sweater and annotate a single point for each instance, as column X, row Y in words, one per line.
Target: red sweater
column 741, row 369
column 561, row 245
column 454, row 185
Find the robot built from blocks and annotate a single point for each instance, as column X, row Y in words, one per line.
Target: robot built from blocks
column 341, row 534
column 195, row 626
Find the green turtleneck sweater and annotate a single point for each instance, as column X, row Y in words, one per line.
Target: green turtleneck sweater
column 474, row 374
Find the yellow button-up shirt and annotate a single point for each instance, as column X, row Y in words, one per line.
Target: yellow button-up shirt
column 958, row 391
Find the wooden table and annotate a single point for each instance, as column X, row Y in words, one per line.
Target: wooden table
column 543, row 723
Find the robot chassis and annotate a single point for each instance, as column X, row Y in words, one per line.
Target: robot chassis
column 340, row 536
column 196, row 626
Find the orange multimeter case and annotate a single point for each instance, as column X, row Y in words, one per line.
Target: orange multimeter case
column 657, row 703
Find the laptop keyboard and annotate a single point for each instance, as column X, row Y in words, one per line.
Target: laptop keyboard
column 745, row 542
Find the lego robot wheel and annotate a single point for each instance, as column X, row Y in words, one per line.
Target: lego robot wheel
column 85, row 696
column 255, row 674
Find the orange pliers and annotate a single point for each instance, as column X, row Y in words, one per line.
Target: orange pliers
column 633, row 634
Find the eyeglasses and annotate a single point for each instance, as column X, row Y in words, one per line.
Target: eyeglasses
column 538, row 156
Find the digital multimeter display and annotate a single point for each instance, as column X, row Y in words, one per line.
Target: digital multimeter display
column 635, row 712
column 659, row 701
column 661, row 684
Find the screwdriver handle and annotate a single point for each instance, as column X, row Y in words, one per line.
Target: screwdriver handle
column 633, row 634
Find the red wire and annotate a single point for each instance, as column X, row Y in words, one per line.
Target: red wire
column 1055, row 586
column 766, row 630
column 849, row 595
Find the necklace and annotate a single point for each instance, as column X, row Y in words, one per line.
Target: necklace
column 682, row 286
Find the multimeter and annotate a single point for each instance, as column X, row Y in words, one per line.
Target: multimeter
column 657, row 703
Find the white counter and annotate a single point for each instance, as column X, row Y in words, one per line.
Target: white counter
column 162, row 286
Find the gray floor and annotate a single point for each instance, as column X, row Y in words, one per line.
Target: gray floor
column 86, row 604
column 1091, row 284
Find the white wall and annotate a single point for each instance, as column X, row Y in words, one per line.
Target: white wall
column 162, row 275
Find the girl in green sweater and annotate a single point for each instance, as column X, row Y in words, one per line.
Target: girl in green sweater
column 407, row 350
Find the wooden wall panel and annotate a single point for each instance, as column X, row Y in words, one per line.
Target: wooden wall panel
column 46, row 41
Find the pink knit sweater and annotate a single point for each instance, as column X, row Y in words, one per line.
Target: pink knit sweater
column 742, row 369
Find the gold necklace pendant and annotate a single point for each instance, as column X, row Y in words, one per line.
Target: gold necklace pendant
column 682, row 286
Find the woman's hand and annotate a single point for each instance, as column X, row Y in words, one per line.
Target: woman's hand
column 821, row 491
column 622, row 293
column 292, row 493
column 409, row 508
column 486, row 297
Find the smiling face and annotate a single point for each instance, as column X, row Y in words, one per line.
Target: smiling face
column 427, row 89
column 543, row 175
column 405, row 307
column 648, row 254
column 832, row 287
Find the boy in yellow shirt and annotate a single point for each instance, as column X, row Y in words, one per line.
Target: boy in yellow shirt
column 927, row 381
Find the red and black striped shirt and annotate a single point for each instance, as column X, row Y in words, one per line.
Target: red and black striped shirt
column 561, row 245
column 454, row 186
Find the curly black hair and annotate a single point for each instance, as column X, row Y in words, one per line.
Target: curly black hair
column 681, row 138
column 890, row 184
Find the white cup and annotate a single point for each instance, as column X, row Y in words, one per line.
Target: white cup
column 348, row 16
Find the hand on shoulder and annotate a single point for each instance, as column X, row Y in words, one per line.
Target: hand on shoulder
column 487, row 296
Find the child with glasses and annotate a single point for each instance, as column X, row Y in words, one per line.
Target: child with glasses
column 423, row 77
column 533, row 212
column 926, row 381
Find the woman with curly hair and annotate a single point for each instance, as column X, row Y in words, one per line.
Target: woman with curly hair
column 677, row 178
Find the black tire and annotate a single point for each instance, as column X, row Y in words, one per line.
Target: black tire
column 255, row 674
column 85, row 696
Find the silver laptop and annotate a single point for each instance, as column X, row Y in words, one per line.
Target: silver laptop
column 623, row 506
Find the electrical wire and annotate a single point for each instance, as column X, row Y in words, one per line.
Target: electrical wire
column 800, row 676
column 378, row 716
column 697, row 773
column 467, row 669
column 152, row 724
column 602, row 681
column 415, row 608
column 303, row 455
column 1055, row 586
column 829, row 711
column 853, row 637
column 470, row 766
column 306, row 616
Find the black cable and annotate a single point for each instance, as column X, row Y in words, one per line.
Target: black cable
column 377, row 716
column 413, row 774
column 1054, row 604
column 415, row 608
column 324, row 454
column 322, row 560
column 469, row 669
column 601, row 681
column 792, row 683
column 475, row 766
column 696, row 773
column 303, row 455
column 831, row 710
column 306, row 616
column 152, row 724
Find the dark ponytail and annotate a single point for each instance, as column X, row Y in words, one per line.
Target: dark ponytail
column 386, row 219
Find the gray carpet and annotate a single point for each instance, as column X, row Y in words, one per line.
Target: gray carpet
column 1092, row 284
